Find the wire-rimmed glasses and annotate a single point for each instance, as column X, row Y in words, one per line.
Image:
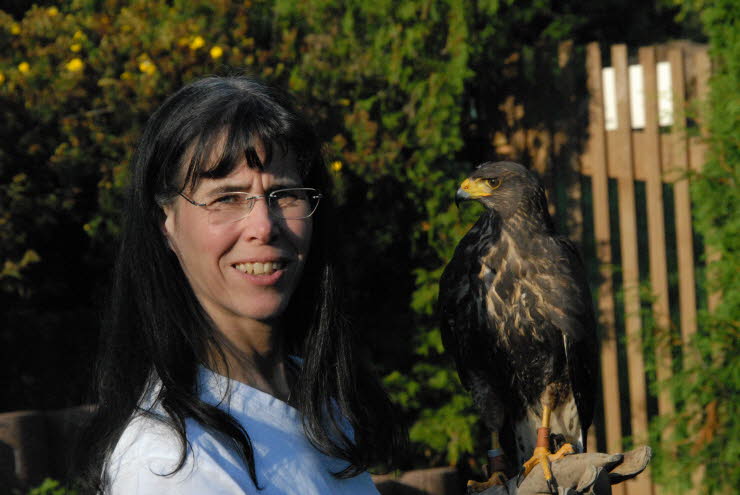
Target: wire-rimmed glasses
column 291, row 204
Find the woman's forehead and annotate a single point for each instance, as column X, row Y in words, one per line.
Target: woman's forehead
column 221, row 160
column 282, row 170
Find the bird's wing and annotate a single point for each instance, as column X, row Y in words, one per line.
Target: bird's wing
column 462, row 310
column 571, row 309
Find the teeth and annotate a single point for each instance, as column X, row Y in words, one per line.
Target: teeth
column 258, row 268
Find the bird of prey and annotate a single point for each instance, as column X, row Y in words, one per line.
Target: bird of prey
column 516, row 315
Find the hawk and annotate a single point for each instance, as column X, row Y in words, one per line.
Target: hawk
column 516, row 315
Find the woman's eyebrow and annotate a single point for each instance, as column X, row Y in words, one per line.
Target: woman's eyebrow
column 229, row 188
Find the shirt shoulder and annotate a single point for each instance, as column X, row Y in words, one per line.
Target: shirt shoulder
column 146, row 458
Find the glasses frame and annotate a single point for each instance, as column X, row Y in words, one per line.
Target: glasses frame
column 267, row 198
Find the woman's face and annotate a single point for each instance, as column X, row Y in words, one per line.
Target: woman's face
column 223, row 261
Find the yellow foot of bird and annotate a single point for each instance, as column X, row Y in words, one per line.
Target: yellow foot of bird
column 543, row 457
column 497, row 478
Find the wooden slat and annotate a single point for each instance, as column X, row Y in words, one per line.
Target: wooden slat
column 640, row 147
column 621, row 156
column 696, row 157
column 594, row 160
column 698, row 150
column 656, row 230
column 682, row 204
column 698, row 143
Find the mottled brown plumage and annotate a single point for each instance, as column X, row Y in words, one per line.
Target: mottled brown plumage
column 516, row 314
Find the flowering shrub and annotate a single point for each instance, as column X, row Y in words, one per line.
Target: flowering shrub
column 77, row 83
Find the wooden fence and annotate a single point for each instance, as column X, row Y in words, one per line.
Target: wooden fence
column 649, row 142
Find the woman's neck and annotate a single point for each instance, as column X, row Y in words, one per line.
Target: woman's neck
column 253, row 353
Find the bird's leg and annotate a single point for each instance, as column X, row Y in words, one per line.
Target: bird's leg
column 542, row 453
column 496, row 468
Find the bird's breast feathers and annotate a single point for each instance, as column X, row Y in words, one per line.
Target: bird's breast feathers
column 515, row 288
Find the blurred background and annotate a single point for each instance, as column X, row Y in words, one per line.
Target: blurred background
column 408, row 97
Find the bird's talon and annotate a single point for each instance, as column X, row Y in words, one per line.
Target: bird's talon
column 497, row 478
column 566, row 449
column 520, row 477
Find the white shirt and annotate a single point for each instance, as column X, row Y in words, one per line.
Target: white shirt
column 285, row 461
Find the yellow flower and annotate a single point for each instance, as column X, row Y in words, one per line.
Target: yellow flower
column 344, row 102
column 15, row 28
column 75, row 47
column 75, row 65
column 126, row 75
column 78, row 36
column 197, row 42
column 24, row 68
column 147, row 67
column 336, row 166
column 52, row 11
column 216, row 52
column 2, row 78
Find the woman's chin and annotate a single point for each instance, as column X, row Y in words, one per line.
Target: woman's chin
column 264, row 311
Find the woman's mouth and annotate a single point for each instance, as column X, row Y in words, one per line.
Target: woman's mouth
column 257, row 268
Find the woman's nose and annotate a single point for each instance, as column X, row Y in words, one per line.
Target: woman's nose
column 259, row 224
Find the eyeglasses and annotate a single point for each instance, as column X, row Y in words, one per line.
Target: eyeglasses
column 290, row 204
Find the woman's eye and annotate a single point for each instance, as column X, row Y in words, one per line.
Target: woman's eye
column 226, row 199
column 494, row 183
column 229, row 199
column 286, row 198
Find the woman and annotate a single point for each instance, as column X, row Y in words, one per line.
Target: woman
column 226, row 366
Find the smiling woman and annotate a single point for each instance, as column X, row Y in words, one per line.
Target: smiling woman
column 226, row 365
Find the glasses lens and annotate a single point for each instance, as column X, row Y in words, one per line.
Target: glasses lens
column 294, row 203
column 230, row 207
column 284, row 203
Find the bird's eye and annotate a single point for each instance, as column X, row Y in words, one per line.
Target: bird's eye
column 494, row 183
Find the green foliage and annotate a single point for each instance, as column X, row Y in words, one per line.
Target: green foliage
column 51, row 487
column 707, row 432
column 77, row 83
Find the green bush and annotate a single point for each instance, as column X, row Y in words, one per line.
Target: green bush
column 706, row 424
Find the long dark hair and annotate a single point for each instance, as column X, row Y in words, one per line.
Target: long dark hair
column 155, row 329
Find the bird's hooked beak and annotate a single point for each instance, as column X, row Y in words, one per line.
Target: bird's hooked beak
column 469, row 190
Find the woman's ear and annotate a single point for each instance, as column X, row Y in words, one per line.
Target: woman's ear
column 168, row 224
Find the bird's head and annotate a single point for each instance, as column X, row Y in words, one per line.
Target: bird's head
column 500, row 186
